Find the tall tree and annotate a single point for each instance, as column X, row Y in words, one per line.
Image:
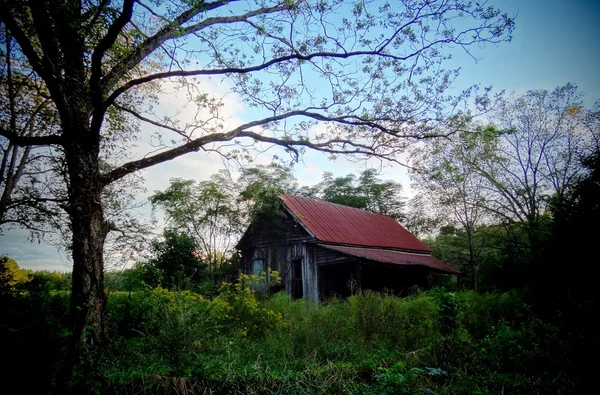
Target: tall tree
column 259, row 190
column 175, row 263
column 340, row 190
column 381, row 196
column 454, row 191
column 513, row 170
column 25, row 110
column 215, row 213
column 254, row 179
column 33, row 179
column 375, row 72
column 367, row 192
column 535, row 157
column 205, row 211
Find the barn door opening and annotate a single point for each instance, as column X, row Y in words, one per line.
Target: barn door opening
column 258, row 266
column 297, row 285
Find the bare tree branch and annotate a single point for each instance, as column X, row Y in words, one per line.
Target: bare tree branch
column 148, row 46
column 25, row 141
column 26, row 46
column 108, row 40
column 245, row 70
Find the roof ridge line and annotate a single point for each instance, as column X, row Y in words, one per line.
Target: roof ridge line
column 338, row 204
column 359, row 246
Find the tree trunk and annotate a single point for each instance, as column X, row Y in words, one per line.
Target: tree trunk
column 89, row 233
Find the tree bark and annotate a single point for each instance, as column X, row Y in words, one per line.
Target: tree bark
column 89, row 233
column 472, row 257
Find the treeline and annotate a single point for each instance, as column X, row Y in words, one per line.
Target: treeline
column 506, row 192
column 205, row 220
column 491, row 199
column 510, row 201
column 12, row 276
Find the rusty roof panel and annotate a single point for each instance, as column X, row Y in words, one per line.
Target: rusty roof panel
column 334, row 223
column 394, row 257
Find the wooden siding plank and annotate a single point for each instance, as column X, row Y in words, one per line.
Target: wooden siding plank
column 288, row 279
column 313, row 285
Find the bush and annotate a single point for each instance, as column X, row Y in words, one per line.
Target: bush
column 35, row 329
column 481, row 312
column 246, row 312
column 407, row 323
column 167, row 332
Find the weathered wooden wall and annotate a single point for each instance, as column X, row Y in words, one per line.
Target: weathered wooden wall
column 280, row 258
column 278, row 248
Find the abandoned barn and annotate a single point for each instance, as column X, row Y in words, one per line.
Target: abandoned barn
column 323, row 249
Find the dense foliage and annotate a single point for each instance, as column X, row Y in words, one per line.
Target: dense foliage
column 366, row 191
column 101, row 68
column 163, row 341
column 498, row 188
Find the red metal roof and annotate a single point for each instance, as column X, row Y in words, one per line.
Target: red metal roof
column 394, row 257
column 334, row 223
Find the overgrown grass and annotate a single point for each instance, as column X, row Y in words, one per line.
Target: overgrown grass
column 162, row 341
column 369, row 343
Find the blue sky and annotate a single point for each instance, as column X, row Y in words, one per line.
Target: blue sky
column 554, row 42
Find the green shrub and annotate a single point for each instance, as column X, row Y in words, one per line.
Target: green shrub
column 408, row 323
column 246, row 313
column 480, row 312
column 35, row 329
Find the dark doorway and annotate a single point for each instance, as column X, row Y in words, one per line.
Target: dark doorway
column 297, row 291
column 335, row 279
column 398, row 280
